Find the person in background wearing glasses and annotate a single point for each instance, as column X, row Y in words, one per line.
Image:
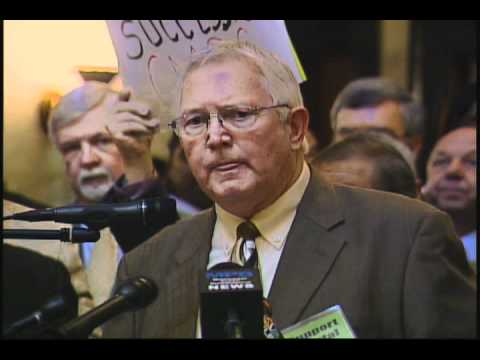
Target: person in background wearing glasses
column 393, row 264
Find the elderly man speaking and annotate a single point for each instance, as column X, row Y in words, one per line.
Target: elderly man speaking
column 393, row 265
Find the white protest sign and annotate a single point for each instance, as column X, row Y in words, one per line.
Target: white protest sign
column 151, row 53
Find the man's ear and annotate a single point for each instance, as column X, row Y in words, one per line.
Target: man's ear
column 298, row 122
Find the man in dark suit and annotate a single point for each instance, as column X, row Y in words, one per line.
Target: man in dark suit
column 393, row 264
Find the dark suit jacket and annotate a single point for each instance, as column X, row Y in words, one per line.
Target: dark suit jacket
column 394, row 265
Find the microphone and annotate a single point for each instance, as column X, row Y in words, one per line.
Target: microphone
column 99, row 216
column 132, row 294
column 72, row 235
column 54, row 309
column 231, row 303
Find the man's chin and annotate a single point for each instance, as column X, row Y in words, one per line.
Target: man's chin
column 453, row 204
column 95, row 193
column 228, row 191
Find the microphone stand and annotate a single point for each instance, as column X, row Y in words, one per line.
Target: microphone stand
column 76, row 235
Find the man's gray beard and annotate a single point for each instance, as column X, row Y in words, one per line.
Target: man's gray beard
column 90, row 192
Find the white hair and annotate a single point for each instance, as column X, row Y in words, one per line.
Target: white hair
column 277, row 77
column 76, row 104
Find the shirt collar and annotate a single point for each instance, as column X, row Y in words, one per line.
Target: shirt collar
column 274, row 221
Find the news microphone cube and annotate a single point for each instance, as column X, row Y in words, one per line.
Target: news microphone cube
column 236, row 291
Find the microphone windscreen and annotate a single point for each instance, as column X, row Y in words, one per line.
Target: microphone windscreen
column 138, row 292
column 130, row 295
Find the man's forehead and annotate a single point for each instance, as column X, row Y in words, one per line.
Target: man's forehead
column 222, row 71
column 384, row 116
column 222, row 77
column 82, row 128
column 459, row 141
column 384, row 112
column 225, row 82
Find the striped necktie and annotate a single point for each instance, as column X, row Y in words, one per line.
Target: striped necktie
column 248, row 232
column 248, row 255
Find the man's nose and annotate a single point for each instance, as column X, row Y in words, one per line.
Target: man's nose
column 89, row 156
column 455, row 168
column 217, row 135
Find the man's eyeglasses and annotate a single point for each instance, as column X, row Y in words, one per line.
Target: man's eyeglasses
column 233, row 118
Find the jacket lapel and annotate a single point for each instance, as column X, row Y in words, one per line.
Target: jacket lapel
column 182, row 281
column 309, row 252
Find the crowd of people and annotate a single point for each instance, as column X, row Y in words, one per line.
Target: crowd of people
column 351, row 224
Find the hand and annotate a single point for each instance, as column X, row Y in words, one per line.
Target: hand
column 132, row 127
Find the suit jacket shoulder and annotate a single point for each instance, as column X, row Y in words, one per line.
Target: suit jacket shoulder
column 384, row 258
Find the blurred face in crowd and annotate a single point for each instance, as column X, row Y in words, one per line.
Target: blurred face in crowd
column 451, row 171
column 355, row 171
column 92, row 160
column 243, row 170
column 385, row 118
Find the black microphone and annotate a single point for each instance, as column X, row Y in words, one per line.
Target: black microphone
column 99, row 216
column 54, row 309
column 132, row 294
column 72, row 235
column 231, row 303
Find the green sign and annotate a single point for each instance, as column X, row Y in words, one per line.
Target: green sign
column 329, row 324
